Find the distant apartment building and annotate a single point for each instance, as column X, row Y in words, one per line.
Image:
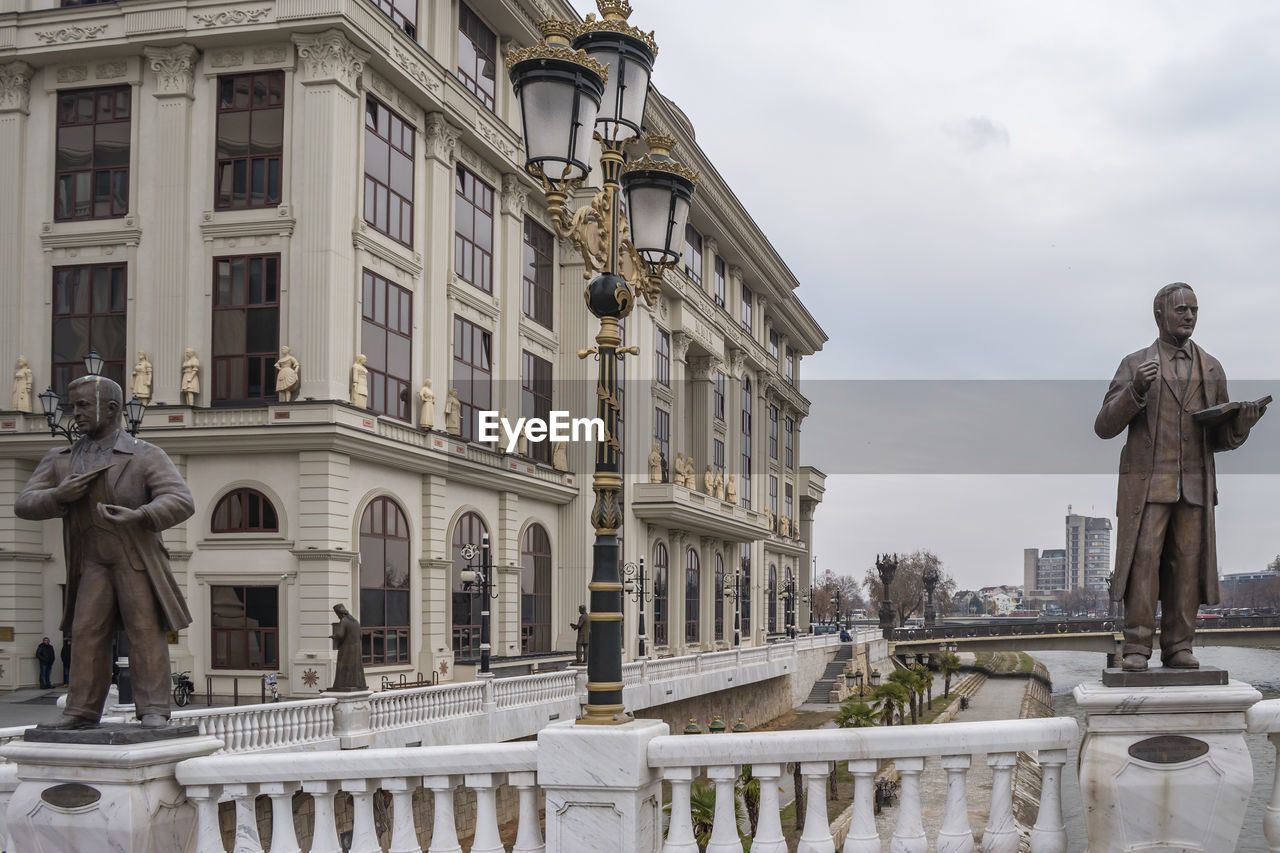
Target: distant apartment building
column 1044, row 575
column 1088, row 548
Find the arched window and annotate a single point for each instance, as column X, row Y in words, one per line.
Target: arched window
column 772, row 592
column 745, row 607
column 244, row 511
column 789, row 612
column 535, row 590
column 692, row 602
column 719, row 596
column 469, row 530
column 659, row 594
column 384, row 583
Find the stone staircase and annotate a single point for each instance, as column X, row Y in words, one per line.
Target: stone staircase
column 821, row 692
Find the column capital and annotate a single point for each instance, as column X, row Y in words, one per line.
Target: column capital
column 442, row 139
column 515, row 195
column 15, row 87
column 702, row 367
column 680, row 344
column 174, row 68
column 328, row 57
column 710, row 246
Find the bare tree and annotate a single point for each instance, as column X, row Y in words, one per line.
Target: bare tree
column 907, row 592
column 824, row 598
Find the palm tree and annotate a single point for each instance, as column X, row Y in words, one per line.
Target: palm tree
column 855, row 714
column 924, row 685
column 950, row 664
column 892, row 696
column 906, row 679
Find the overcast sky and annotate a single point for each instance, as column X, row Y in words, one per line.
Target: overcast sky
column 995, row 191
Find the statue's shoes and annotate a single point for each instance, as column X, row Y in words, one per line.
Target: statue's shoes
column 67, row 722
column 1134, row 663
column 153, row 721
column 1181, row 659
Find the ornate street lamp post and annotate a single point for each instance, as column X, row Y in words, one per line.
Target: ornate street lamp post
column 930, row 580
column 635, row 587
column 478, row 579
column 887, row 566
column 51, row 405
column 789, row 606
column 585, row 81
column 733, row 589
column 857, row 679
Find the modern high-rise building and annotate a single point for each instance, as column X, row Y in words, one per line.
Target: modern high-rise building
column 1088, row 548
column 193, row 185
column 1044, row 575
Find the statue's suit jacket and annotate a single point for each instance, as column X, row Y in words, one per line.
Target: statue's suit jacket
column 1154, row 430
column 140, row 476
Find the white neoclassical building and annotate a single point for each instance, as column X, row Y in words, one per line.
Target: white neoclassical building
column 343, row 178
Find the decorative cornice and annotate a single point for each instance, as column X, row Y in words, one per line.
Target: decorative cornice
column 26, row 556
column 515, row 195
column 174, row 69
column 415, row 69
column 215, row 224
column 66, row 34
column 232, row 17
column 361, row 238
column 324, row 554
column 103, row 232
column 15, row 87
column 330, row 57
column 441, row 139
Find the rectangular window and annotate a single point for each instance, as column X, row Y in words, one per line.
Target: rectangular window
column 477, row 56
column 791, row 366
column 538, row 273
column 717, row 455
column 773, row 344
column 386, row 340
column 717, row 398
column 472, row 373
column 790, row 442
column 250, row 140
column 745, row 441
column 662, row 359
column 719, row 283
column 746, row 308
column 773, row 432
column 89, row 313
column 246, row 327
column 403, row 12
column 693, row 253
column 744, row 559
column 662, row 431
column 388, row 172
column 773, row 495
column 473, row 230
column 91, row 163
column 535, row 398
column 788, row 507
column 245, row 621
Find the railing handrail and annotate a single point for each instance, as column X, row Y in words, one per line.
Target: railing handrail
column 362, row 763
column 227, row 710
column 849, row 744
column 1262, row 717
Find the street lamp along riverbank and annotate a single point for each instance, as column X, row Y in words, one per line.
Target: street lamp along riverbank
column 586, row 81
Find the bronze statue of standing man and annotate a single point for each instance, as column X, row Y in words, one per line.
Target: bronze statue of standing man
column 114, row 493
column 1166, row 549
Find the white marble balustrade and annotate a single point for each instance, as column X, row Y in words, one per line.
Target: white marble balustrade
column 399, row 772
column 1264, row 718
column 683, row 759
column 534, row 689
column 304, row 723
column 392, row 709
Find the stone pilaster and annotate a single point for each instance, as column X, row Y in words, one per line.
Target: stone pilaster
column 684, row 436
column 710, row 248
column 15, row 92
column 327, row 115
column 440, row 153
column 506, row 556
column 508, row 287
column 326, row 557
column 698, row 387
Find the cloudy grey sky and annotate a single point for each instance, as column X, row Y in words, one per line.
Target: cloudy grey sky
column 994, row 191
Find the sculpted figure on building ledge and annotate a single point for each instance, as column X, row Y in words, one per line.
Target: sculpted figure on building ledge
column 677, row 474
column 453, row 413
column 690, row 477
column 22, row 386
column 359, row 382
column 719, row 484
column 769, row 519
column 731, row 489
column 142, row 378
column 190, row 378
column 427, row 412
column 655, row 465
column 560, row 455
column 287, row 379
column 709, row 481
column 784, row 526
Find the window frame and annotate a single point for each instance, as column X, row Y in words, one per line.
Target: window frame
column 789, row 434
column 369, row 632
column 662, row 358
column 380, row 369
column 718, row 396
column 392, row 9
column 662, row 431
column 268, row 357
column 535, row 634
column 746, row 307
column 466, row 16
column 773, row 432
column 66, row 371
column 473, row 195
column 267, row 663
column 536, row 383
column 745, row 439
column 718, row 296
column 114, row 174
column 468, row 630
column 719, row 588
column 692, row 600
column 693, row 253
column 661, row 598
column 537, row 295
column 246, row 495
column 249, row 158
column 469, row 406
column 396, row 126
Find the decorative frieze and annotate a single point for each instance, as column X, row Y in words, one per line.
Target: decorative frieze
column 73, row 73
column 415, row 69
column 110, row 70
column 232, row 17
column 63, row 35
column 490, row 175
column 226, row 58
column 329, row 57
column 495, row 137
column 174, row 68
column 271, row 55
column 441, row 138
column 15, row 87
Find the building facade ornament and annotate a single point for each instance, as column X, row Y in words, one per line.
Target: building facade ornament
column 108, row 70
column 441, row 138
column 735, row 359
column 480, row 166
column 330, row 57
column 680, row 344
column 73, row 73
column 226, row 58
column 66, row 34
column 174, row 68
column 233, row 17
column 701, row 367
column 515, row 195
column 415, row 70
column 15, row 87
column 270, row 55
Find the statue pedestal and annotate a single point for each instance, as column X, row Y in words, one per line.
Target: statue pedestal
column 352, row 718
column 102, row 798
column 1165, row 767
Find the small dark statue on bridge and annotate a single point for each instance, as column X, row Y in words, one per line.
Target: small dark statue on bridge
column 887, row 566
column 1172, row 399
column 583, row 627
column 348, row 674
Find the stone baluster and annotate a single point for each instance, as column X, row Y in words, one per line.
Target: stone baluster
column 680, row 837
column 444, row 834
column 208, row 833
column 247, row 840
column 908, row 835
column 1001, row 834
column 486, row 838
column 863, row 837
column 768, row 836
column 404, row 835
column 324, row 833
column 283, row 837
column 955, row 836
column 816, row 837
column 529, row 832
column 364, row 838
column 237, row 732
column 724, row 826
column 1050, row 834
column 1271, row 821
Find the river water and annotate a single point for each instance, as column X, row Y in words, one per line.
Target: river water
column 1259, row 667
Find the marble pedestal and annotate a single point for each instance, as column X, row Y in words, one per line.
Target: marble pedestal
column 1165, row 768
column 599, row 787
column 82, row 798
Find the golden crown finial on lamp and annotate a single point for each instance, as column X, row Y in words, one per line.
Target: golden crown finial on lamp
column 614, row 10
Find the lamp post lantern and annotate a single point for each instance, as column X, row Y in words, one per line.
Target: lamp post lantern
column 733, row 589
column 582, row 82
column 634, row 586
column 51, row 405
column 478, row 579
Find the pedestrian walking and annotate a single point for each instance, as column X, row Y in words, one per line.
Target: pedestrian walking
column 66, row 661
column 45, row 656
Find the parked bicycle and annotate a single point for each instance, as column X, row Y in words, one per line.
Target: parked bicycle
column 183, row 687
column 272, row 689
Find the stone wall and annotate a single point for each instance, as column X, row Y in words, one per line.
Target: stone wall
column 1027, row 776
